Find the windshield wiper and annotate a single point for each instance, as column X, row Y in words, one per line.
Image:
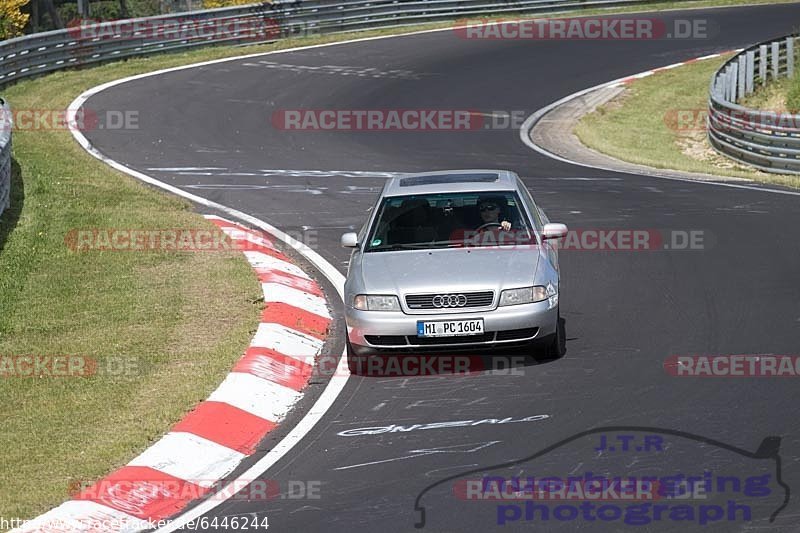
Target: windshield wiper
column 418, row 246
column 394, row 247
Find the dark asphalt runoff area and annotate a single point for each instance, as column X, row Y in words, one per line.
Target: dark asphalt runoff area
column 208, row 130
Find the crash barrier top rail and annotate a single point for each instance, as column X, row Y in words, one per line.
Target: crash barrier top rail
column 87, row 42
column 5, row 159
column 766, row 139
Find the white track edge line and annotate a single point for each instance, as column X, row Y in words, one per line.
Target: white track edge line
column 335, row 385
column 338, row 381
column 533, row 119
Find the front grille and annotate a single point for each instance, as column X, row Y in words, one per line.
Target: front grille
column 511, row 334
column 460, row 339
column 474, row 299
column 386, row 340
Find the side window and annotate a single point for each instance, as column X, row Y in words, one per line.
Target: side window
column 532, row 207
column 545, row 220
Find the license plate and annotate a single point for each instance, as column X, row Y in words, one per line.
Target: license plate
column 449, row 328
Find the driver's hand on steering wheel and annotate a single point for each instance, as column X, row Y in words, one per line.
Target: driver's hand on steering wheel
column 506, row 225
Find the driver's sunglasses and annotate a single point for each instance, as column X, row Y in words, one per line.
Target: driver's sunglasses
column 488, row 207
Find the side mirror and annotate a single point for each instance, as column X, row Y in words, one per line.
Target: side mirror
column 554, row 231
column 349, row 240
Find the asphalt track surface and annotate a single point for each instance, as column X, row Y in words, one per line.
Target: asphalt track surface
column 624, row 312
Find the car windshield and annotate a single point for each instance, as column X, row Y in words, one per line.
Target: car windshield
column 449, row 220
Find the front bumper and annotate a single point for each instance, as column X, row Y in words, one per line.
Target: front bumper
column 514, row 324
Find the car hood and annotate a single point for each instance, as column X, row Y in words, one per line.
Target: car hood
column 449, row 269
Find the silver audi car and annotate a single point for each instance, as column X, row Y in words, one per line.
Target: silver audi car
column 453, row 259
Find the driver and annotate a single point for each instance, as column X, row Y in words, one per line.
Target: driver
column 491, row 212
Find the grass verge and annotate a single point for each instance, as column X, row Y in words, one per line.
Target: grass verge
column 659, row 121
column 781, row 95
column 773, row 96
column 164, row 327
column 178, row 320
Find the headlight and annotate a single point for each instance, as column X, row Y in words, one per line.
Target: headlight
column 529, row 295
column 374, row 302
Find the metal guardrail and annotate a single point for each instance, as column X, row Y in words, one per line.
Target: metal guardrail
column 41, row 53
column 765, row 139
column 5, row 157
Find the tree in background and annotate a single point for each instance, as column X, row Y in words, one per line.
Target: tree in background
column 44, row 16
column 210, row 4
column 12, row 19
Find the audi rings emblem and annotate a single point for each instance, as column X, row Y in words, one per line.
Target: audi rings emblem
column 449, row 300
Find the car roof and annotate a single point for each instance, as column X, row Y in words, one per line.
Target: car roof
column 447, row 181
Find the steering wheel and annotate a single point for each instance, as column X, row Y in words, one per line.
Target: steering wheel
column 488, row 225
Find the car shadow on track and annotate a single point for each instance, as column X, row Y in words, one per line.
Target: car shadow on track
column 461, row 361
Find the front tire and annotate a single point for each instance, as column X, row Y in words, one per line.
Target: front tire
column 356, row 362
column 353, row 360
column 555, row 347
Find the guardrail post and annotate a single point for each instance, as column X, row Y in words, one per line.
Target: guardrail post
column 724, row 83
column 789, row 57
column 762, row 63
column 727, row 86
column 723, row 87
column 730, row 96
column 750, row 59
column 776, row 59
column 734, row 81
column 741, row 68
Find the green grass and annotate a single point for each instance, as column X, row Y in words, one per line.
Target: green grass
column 182, row 319
column 643, row 126
column 777, row 95
column 793, row 94
column 770, row 97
